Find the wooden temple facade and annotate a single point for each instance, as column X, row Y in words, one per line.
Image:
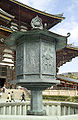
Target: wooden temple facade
column 15, row 16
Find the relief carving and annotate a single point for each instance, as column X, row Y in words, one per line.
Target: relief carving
column 19, row 67
column 19, row 63
column 47, row 59
column 32, row 57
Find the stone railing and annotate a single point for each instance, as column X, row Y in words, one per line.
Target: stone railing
column 14, row 108
column 51, row 108
column 60, row 108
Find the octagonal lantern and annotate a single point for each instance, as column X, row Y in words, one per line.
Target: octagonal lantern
column 36, row 62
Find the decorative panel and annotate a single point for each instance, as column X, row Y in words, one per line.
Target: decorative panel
column 19, row 60
column 48, row 58
column 32, row 57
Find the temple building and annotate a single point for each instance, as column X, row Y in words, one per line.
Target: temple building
column 15, row 16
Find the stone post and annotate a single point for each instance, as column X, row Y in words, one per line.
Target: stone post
column 36, row 103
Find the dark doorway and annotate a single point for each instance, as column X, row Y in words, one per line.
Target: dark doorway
column 2, row 81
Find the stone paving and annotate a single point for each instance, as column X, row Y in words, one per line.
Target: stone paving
column 13, row 117
column 17, row 95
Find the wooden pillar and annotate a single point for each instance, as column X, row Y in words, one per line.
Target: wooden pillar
column 65, row 84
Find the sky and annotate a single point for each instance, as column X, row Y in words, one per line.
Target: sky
column 69, row 8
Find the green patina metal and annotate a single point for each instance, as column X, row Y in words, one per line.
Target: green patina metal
column 61, row 41
column 36, row 62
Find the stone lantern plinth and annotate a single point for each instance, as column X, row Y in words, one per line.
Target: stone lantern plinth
column 36, row 62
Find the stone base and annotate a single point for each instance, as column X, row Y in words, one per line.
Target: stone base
column 37, row 83
column 41, row 113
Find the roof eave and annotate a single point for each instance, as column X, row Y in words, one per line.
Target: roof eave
column 38, row 11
